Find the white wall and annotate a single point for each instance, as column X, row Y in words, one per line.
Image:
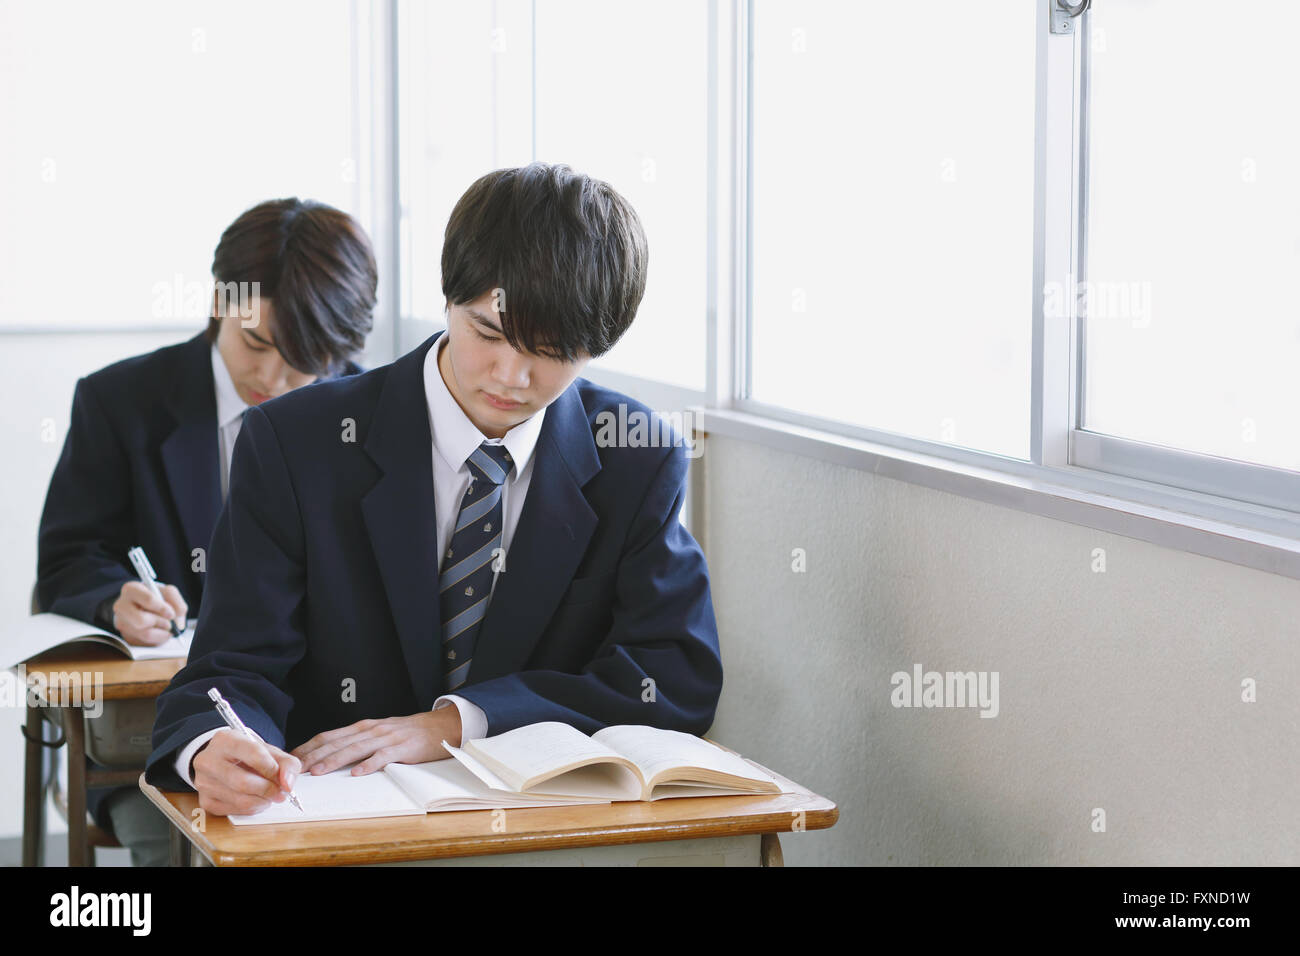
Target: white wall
column 1119, row 690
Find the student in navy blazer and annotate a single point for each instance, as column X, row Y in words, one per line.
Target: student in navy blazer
column 322, row 619
column 147, row 455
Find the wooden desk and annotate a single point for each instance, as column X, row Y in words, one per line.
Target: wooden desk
column 715, row 823
column 123, row 679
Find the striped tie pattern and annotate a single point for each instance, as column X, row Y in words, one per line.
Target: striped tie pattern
column 466, row 577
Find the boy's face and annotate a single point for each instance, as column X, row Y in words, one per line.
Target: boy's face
column 256, row 367
column 479, row 365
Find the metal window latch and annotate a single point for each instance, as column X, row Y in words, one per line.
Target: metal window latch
column 1063, row 15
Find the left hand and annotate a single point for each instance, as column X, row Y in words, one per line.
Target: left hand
column 377, row 743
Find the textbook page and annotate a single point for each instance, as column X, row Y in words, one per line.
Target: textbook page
column 654, row 750
column 536, row 749
column 600, row 783
column 337, row 796
column 449, row 785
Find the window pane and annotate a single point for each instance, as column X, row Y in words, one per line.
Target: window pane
column 893, row 186
column 590, row 84
column 465, row 95
column 132, row 139
column 622, row 95
column 1193, row 339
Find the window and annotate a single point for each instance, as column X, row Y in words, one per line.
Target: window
column 614, row 91
column 131, row 142
column 892, row 218
column 1192, row 329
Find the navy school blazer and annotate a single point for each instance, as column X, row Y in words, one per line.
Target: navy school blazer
column 140, row 466
column 322, row 594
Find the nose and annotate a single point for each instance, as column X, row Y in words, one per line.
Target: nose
column 512, row 373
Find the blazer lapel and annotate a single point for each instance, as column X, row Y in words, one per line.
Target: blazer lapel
column 554, row 530
column 190, row 452
column 401, row 520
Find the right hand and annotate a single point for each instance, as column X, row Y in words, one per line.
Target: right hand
column 234, row 774
column 142, row 619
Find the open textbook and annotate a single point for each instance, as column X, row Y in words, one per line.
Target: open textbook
column 540, row 765
column 29, row 636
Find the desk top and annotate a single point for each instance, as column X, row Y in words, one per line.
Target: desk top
column 470, row 832
column 124, row 679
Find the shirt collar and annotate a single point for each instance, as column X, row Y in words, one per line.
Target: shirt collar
column 229, row 405
column 455, row 437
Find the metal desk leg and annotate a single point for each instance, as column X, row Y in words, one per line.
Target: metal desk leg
column 178, row 848
column 33, row 788
column 770, row 851
column 74, row 728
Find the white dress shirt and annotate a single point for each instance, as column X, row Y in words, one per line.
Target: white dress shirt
column 455, row 438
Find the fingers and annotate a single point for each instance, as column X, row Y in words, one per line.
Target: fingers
column 141, row 597
column 254, row 754
column 177, row 606
column 290, row 766
column 147, row 636
column 359, row 747
column 328, row 741
column 378, row 760
column 217, row 798
column 228, row 749
column 234, row 774
column 142, row 618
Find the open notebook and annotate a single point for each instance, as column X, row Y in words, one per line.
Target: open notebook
column 543, row 764
column 28, row 636
column 397, row 790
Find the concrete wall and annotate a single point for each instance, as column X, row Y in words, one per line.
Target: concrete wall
column 1118, row 690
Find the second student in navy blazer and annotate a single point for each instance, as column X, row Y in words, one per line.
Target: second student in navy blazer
column 150, row 441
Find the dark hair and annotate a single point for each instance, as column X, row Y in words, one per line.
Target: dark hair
column 316, row 265
column 567, row 250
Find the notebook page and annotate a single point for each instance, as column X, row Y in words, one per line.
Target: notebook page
column 336, row 796
column 538, row 748
column 172, row 647
column 34, row 634
column 654, row 749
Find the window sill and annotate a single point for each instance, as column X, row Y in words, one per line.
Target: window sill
column 1213, row 527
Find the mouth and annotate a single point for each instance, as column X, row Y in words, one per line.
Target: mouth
column 501, row 403
column 258, row 397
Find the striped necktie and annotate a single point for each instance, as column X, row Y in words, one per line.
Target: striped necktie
column 466, row 578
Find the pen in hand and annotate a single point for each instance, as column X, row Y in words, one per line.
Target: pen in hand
column 146, row 572
column 234, row 723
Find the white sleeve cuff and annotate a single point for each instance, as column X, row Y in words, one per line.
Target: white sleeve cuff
column 473, row 722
